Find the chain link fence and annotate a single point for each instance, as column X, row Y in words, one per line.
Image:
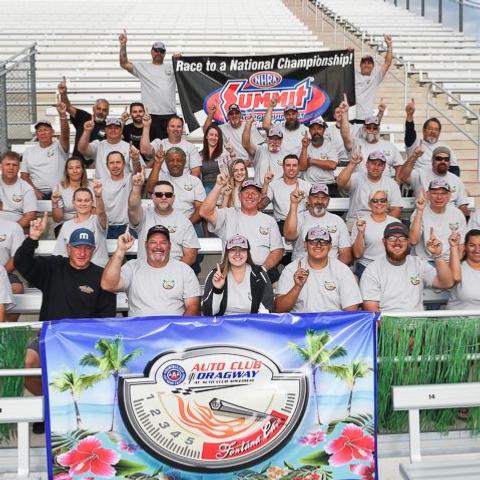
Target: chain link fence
column 18, row 97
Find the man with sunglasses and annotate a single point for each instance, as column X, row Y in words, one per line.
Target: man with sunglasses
column 184, row 241
column 396, row 282
column 157, row 83
column 420, row 179
column 316, row 282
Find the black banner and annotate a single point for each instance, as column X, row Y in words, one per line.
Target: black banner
column 315, row 82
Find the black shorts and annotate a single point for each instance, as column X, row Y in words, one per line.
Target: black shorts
column 35, row 345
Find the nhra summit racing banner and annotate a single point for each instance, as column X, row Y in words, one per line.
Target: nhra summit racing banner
column 315, row 82
column 260, row 397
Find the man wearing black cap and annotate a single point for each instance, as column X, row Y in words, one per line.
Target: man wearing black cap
column 157, row 284
column 157, row 83
column 396, row 281
column 368, row 80
column 43, row 164
column 70, row 286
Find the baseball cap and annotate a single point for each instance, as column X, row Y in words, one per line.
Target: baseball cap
column 372, row 119
column 318, row 233
column 290, row 106
column 159, row 45
column 82, row 236
column 158, row 229
column 233, row 107
column 274, row 132
column 237, row 241
column 444, row 150
column 113, row 121
column 318, row 188
column 251, row 183
column 318, row 121
column 377, row 156
column 42, row 122
column 439, row 183
column 395, row 228
column 367, row 58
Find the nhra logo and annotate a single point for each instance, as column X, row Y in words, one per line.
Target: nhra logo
column 174, row 374
column 256, row 93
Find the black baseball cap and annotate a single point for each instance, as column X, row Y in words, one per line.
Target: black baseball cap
column 158, row 229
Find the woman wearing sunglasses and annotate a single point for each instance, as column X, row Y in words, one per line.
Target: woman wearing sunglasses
column 367, row 232
column 237, row 285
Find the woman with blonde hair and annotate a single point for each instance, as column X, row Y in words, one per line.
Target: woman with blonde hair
column 238, row 174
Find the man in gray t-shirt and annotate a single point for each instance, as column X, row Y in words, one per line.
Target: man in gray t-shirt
column 157, row 83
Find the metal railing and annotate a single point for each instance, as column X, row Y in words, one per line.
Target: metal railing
column 18, row 96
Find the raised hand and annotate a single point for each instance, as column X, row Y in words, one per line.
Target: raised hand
column 56, row 197
column 268, row 176
column 88, row 126
column 97, row 188
column 222, row 179
column 122, row 38
column 125, row 115
column 361, row 223
column 344, row 106
column 147, row 119
column 382, row 106
column 454, row 239
column 421, row 202
column 388, row 40
column 159, row 156
column 297, row 195
column 410, row 107
column 62, row 86
column 356, row 157
column 38, row 226
column 418, row 151
column 300, row 276
column 125, row 241
column 250, row 117
column 274, row 100
column 61, row 109
column 227, row 190
column 212, row 110
column 139, row 179
column 305, row 140
column 434, row 245
column 218, row 279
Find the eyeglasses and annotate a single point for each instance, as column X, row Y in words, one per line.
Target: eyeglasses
column 378, row 200
column 438, row 158
column 159, row 50
column 371, row 127
column 163, row 194
column 394, row 238
column 321, row 243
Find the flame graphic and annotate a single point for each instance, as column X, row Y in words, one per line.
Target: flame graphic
column 201, row 418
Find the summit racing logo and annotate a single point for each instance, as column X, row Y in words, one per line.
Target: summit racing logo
column 256, row 93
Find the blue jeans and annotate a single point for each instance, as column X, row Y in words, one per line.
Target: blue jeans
column 114, row 231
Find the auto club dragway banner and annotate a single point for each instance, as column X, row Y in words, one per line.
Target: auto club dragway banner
column 260, row 397
column 315, row 82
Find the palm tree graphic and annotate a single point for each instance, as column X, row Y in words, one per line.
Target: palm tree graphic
column 352, row 373
column 111, row 362
column 319, row 358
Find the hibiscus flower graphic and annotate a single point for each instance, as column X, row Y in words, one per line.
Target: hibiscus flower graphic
column 89, row 456
column 352, row 444
column 366, row 471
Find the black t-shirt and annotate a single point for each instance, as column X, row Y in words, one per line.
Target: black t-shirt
column 133, row 134
column 98, row 132
column 67, row 292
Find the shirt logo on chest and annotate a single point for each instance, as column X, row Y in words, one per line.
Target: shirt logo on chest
column 172, row 228
column 188, row 187
column 3, row 238
column 86, row 289
column 264, row 230
column 17, row 198
column 168, row 284
column 332, row 228
column 415, row 280
column 329, row 285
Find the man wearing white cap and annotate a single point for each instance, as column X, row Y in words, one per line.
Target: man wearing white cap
column 157, row 83
column 316, row 282
column 319, row 157
column 43, row 164
column 297, row 223
column 98, row 150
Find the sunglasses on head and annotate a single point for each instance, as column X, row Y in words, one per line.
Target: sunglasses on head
column 159, row 50
column 163, row 194
column 438, row 158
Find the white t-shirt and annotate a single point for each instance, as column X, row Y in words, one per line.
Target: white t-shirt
column 263, row 158
column 333, row 223
column 426, row 159
column 393, row 156
column 260, row 229
column 234, row 136
column 182, row 233
column 330, row 289
column 314, row 174
column 279, row 193
column 333, row 134
column 17, row 199
column 292, row 140
column 239, row 294
column 474, row 221
column 66, row 202
column 397, row 288
column 157, row 83
column 188, row 189
column 115, row 197
column 6, row 295
column 11, row 237
column 466, row 294
column 100, row 254
column 373, row 247
column 191, row 152
column 365, row 91
column 443, row 224
column 361, row 188
column 420, row 179
column 44, row 165
column 158, row 291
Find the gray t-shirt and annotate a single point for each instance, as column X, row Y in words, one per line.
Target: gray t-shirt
column 100, row 254
column 11, row 237
column 465, row 295
column 234, row 136
column 365, row 91
column 115, row 197
column 314, row 174
column 264, row 158
column 66, row 200
column 279, row 193
column 158, row 291
column 191, row 152
column 17, row 199
column 182, row 233
column 260, row 229
column 426, row 159
column 292, row 139
column 397, row 288
column 330, row 289
column 157, row 83
column 6, row 295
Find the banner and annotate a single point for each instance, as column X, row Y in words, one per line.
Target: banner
column 315, row 82
column 243, row 397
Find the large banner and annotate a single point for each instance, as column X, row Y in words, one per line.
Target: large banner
column 260, row 397
column 315, row 82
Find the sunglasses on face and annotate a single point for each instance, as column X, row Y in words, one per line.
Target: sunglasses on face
column 321, row 243
column 158, row 50
column 378, row 200
column 163, row 194
column 438, row 158
column 371, row 127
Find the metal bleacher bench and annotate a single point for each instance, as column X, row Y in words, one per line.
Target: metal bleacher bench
column 414, row 398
